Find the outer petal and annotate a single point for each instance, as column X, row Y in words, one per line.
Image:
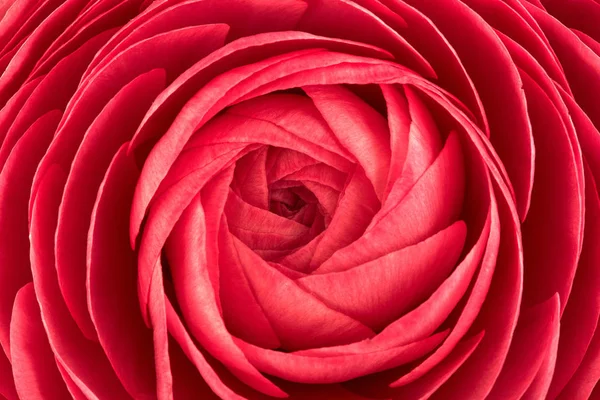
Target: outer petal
column 34, row 367
column 15, row 186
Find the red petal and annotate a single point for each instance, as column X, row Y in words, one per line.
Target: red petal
column 424, row 145
column 356, row 208
column 242, row 313
column 358, row 127
column 7, row 382
column 115, row 124
column 53, row 92
column 212, row 378
column 244, row 18
column 196, row 298
column 261, row 229
column 360, row 24
column 15, row 186
column 211, row 100
column 440, row 190
column 498, row 315
column 283, row 162
column 380, row 291
column 250, row 179
column 530, row 345
column 552, row 232
column 11, row 110
column 580, row 317
column 113, row 307
column 336, row 368
column 286, row 306
column 497, row 82
column 171, row 51
column 83, row 360
column 33, row 363
column 422, row 33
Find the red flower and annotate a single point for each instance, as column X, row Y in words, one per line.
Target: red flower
column 313, row 199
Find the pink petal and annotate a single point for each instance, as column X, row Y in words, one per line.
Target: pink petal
column 242, row 313
column 497, row 82
column 244, row 18
column 112, row 302
column 552, row 232
column 280, row 120
column 83, row 360
column 7, row 382
column 319, row 173
column 488, row 258
column 440, row 190
column 11, row 110
column 360, row 24
column 429, row 383
column 221, row 387
column 261, row 229
column 427, row 39
column 587, row 375
column 250, row 179
column 580, row 317
column 33, row 364
column 160, row 335
column 114, row 125
column 399, row 126
column 358, row 127
column 15, row 185
column 283, row 162
column 356, row 208
column 52, row 93
column 90, row 99
column 102, row 19
column 214, row 196
column 196, row 299
column 516, row 23
column 541, row 384
column 531, row 342
column 193, row 170
column 498, row 315
column 424, row 144
column 286, row 306
column 35, row 44
column 336, row 368
column 71, row 385
column 380, row 291
column 212, row 100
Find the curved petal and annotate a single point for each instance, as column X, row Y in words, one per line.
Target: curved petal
column 358, row 127
column 378, row 292
column 197, row 299
column 15, row 186
column 112, row 302
column 530, row 345
column 34, row 367
column 356, row 207
column 82, row 360
column 336, row 368
column 440, row 190
column 242, row 313
column 113, row 126
column 299, row 320
column 497, row 82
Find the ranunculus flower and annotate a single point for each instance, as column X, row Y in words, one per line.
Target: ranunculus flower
column 311, row 199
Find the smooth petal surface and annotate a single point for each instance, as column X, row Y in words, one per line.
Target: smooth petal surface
column 378, row 292
column 34, row 367
column 441, row 187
